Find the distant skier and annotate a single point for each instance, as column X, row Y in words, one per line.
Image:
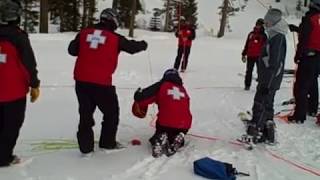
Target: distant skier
column 308, row 59
column 271, row 68
column 185, row 34
column 252, row 50
column 174, row 117
column 18, row 75
column 98, row 48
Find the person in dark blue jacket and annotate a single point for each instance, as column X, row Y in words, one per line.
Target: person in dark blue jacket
column 271, row 68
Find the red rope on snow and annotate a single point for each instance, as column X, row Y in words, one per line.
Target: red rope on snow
column 210, row 138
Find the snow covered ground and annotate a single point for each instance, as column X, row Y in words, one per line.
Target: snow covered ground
column 217, row 96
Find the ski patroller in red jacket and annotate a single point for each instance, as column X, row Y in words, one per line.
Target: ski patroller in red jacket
column 98, row 49
column 173, row 103
column 17, row 64
column 314, row 39
column 254, row 43
column 309, row 30
column 13, row 76
column 98, row 56
column 185, row 35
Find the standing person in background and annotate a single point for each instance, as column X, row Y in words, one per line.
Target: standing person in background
column 252, row 50
column 18, row 74
column 185, row 34
column 98, row 48
column 271, row 68
column 313, row 94
column 308, row 59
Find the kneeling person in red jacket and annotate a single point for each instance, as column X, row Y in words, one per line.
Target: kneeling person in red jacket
column 174, row 116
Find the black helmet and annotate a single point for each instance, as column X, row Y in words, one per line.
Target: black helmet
column 10, row 11
column 110, row 14
column 260, row 22
column 170, row 72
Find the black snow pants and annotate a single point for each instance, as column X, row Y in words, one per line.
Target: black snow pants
column 11, row 119
column 91, row 96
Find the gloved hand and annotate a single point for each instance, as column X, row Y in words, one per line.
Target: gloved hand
column 244, row 59
column 293, row 28
column 137, row 94
column 144, row 45
column 34, row 93
column 264, row 90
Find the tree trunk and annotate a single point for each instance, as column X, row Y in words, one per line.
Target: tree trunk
column 166, row 26
column 84, row 22
column 133, row 15
column 305, row 3
column 44, row 7
column 25, row 16
column 223, row 18
column 91, row 11
column 75, row 13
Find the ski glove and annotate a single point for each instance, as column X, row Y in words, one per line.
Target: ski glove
column 144, row 45
column 34, row 93
column 244, row 59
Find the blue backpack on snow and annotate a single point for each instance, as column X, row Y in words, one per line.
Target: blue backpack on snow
column 213, row 169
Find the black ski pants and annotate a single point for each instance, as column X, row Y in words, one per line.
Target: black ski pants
column 306, row 84
column 91, row 96
column 171, row 132
column 250, row 66
column 11, row 119
column 262, row 109
column 182, row 51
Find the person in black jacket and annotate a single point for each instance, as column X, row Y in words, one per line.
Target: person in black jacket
column 307, row 57
column 97, row 48
column 185, row 34
column 271, row 68
column 18, row 75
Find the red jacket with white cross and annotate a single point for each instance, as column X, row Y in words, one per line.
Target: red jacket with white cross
column 173, row 103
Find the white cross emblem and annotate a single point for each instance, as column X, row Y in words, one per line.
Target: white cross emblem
column 175, row 93
column 95, row 39
column 3, row 57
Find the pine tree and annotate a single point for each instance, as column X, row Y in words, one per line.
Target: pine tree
column 89, row 8
column 189, row 11
column 299, row 5
column 124, row 10
column 67, row 12
column 30, row 18
column 175, row 9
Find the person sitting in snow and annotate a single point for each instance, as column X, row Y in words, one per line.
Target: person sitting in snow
column 186, row 34
column 252, row 50
column 97, row 48
column 174, row 116
column 271, row 68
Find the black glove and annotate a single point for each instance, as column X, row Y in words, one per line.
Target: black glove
column 264, row 90
column 137, row 94
column 293, row 28
column 144, row 45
